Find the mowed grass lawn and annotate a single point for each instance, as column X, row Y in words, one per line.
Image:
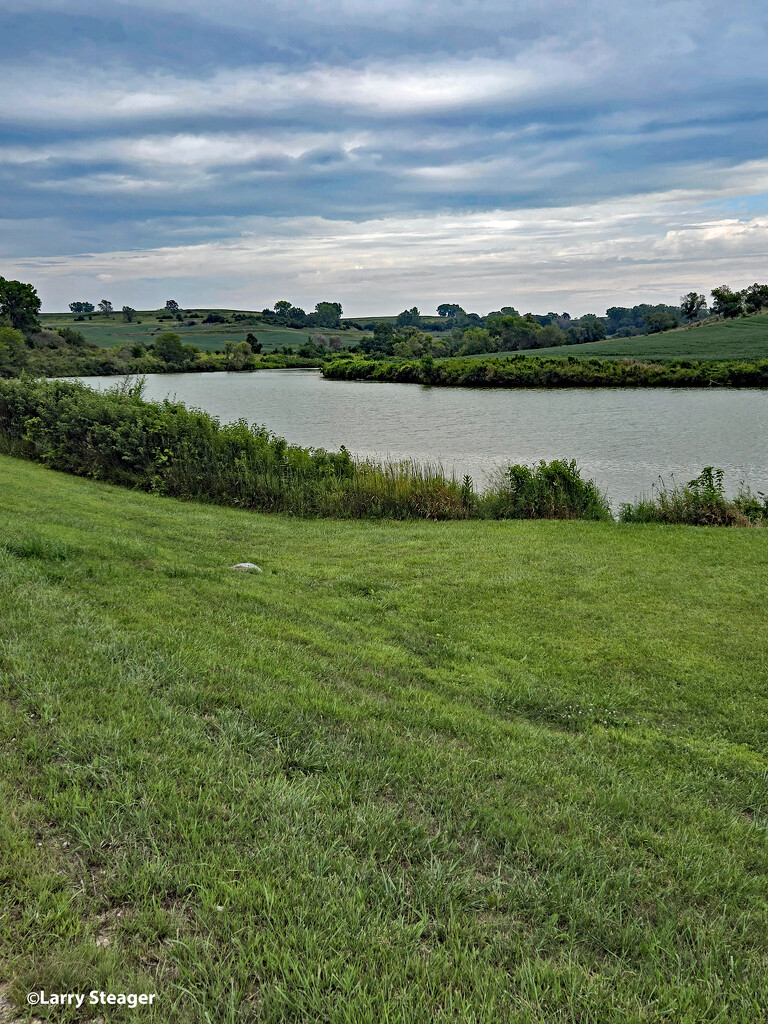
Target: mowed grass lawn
column 464, row 771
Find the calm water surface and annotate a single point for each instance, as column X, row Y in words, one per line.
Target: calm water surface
column 623, row 438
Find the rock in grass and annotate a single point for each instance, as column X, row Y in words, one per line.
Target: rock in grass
column 247, row 567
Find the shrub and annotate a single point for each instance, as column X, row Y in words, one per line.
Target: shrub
column 700, row 502
column 552, row 490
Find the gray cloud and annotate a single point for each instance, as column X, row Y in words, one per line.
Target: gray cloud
column 170, row 129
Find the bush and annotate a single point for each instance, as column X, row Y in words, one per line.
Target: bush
column 552, row 490
column 72, row 337
column 700, row 502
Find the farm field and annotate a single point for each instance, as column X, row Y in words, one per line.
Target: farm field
column 108, row 332
column 463, row 771
column 743, row 338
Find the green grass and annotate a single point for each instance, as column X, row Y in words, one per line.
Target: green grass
column 110, row 331
column 411, row 772
column 744, row 338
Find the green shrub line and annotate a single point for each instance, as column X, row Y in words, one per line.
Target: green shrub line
column 166, row 448
column 520, row 371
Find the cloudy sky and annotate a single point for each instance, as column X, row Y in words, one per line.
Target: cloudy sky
column 383, row 153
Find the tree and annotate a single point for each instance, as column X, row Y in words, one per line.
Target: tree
column 81, row 307
column 727, row 303
column 237, row 355
column 295, row 317
column 657, row 322
column 382, row 341
column 106, row 307
column 513, row 332
column 12, row 351
column 19, row 305
column 253, row 342
column 691, row 305
column 168, row 347
column 592, row 327
column 172, row 306
column 409, row 318
column 129, row 314
column 328, row 314
column 450, row 309
column 282, row 306
column 755, row 297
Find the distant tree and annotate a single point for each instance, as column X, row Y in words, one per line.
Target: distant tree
column 727, row 304
column 214, row 318
column 129, row 314
column 81, row 307
column 282, row 306
column 237, row 355
column 550, row 336
column 106, row 307
column 513, row 332
column 755, row 298
column 382, row 341
column 691, row 305
column 450, row 309
column 12, row 350
column 253, row 342
column 295, row 317
column 168, row 347
column 172, row 306
column 328, row 314
column 19, row 305
column 655, row 323
column 509, row 311
column 592, row 327
column 409, row 318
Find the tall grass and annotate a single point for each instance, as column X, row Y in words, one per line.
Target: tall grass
column 548, row 491
column 700, row 502
column 168, row 449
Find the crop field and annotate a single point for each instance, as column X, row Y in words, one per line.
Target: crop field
column 110, row 331
column 743, row 338
column 409, row 772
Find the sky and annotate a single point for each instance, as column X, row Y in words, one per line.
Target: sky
column 383, row 153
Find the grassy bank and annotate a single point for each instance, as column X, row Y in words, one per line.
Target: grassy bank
column 410, row 772
column 743, row 338
column 168, row 449
column 533, row 370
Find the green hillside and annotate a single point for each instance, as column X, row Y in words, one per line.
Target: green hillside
column 410, row 772
column 110, row 331
column 743, row 338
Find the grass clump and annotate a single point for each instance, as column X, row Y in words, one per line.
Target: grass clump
column 552, row 490
column 700, row 502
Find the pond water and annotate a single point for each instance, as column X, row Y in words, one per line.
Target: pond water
column 623, row 438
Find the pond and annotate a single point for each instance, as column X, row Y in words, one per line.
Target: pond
column 623, row 438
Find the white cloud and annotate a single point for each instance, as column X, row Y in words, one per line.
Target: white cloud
column 66, row 94
column 581, row 257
